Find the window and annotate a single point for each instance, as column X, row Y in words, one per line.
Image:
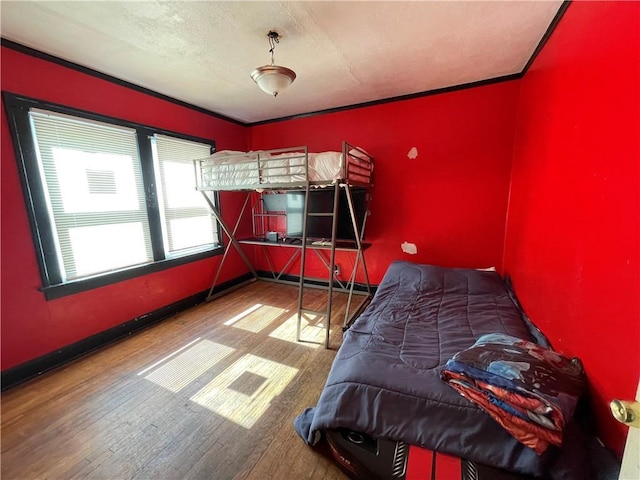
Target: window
column 108, row 200
column 92, row 181
column 187, row 223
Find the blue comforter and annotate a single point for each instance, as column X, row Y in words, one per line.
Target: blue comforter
column 385, row 380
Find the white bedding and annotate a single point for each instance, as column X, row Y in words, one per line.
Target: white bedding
column 236, row 169
column 228, row 168
column 326, row 166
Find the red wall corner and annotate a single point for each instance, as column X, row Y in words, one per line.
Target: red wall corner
column 572, row 241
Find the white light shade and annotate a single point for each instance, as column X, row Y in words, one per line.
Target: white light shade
column 272, row 79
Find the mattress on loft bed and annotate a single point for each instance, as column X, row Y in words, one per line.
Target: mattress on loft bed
column 385, row 380
column 231, row 168
column 228, row 168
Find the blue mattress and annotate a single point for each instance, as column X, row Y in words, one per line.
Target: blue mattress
column 385, row 380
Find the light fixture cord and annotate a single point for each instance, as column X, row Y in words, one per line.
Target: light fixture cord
column 273, row 41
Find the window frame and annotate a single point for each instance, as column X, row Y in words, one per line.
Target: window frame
column 17, row 113
column 188, row 212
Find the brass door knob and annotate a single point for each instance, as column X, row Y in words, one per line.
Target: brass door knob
column 626, row 412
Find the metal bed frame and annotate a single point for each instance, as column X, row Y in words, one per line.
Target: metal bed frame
column 219, row 173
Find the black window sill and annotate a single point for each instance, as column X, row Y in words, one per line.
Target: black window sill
column 53, row 292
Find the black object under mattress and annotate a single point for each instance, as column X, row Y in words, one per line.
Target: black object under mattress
column 385, row 380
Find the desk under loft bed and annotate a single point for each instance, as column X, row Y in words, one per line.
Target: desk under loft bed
column 302, row 175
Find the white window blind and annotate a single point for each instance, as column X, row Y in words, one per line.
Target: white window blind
column 187, row 222
column 93, row 185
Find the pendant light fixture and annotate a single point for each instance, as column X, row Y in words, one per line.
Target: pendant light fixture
column 272, row 79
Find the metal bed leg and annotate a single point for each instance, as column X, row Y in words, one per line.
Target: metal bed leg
column 332, row 261
column 303, row 256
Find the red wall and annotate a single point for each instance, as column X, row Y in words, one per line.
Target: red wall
column 451, row 200
column 572, row 240
column 33, row 326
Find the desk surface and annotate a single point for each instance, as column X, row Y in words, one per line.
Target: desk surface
column 348, row 245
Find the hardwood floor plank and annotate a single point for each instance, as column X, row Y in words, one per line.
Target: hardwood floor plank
column 209, row 393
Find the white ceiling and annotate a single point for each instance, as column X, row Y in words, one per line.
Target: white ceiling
column 344, row 53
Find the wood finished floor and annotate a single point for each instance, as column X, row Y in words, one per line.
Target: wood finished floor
column 210, row 393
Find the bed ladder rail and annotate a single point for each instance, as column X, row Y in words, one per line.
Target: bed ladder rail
column 332, row 259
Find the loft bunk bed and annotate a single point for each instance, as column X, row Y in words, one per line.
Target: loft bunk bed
column 295, row 169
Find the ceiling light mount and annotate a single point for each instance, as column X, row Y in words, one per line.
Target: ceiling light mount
column 272, row 79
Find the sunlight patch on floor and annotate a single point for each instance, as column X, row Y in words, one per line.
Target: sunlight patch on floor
column 245, row 390
column 178, row 372
column 312, row 330
column 241, row 315
column 256, row 318
column 172, row 354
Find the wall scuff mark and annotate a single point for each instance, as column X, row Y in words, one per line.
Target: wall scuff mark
column 413, row 153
